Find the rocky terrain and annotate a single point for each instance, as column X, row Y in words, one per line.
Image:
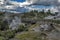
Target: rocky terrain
column 30, row 20
column 29, row 26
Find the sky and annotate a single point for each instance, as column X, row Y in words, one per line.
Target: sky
column 53, row 5
column 19, row 0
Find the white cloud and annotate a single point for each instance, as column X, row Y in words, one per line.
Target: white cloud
column 45, row 2
column 1, row 2
column 55, row 3
column 10, row 7
column 25, row 5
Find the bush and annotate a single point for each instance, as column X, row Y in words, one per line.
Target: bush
column 10, row 34
column 21, row 28
column 2, row 38
column 4, row 25
column 7, row 34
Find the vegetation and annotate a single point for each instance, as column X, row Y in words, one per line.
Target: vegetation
column 2, row 38
column 31, row 36
column 7, row 34
column 37, row 15
column 53, row 21
column 4, row 25
column 21, row 28
column 23, row 31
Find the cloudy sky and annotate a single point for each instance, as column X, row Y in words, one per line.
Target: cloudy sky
column 19, row 0
column 53, row 5
column 24, row 5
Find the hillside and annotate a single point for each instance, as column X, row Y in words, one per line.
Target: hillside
column 31, row 25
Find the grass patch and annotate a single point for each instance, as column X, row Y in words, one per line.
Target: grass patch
column 29, row 36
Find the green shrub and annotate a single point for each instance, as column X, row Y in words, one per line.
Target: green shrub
column 10, row 34
column 21, row 28
column 2, row 38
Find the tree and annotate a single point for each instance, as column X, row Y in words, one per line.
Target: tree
column 4, row 25
column 42, row 11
